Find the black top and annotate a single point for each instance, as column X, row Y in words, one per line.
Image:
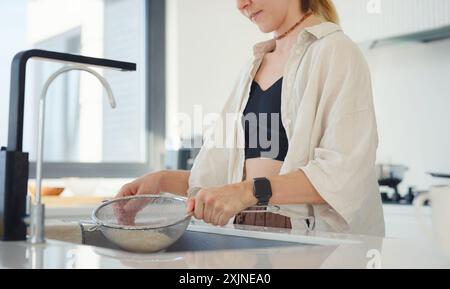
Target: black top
column 265, row 136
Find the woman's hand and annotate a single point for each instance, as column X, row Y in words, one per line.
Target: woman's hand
column 148, row 184
column 126, row 211
column 218, row 205
column 154, row 183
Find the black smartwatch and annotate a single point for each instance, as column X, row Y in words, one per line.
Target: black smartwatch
column 262, row 191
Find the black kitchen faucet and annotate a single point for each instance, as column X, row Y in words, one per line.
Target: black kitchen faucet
column 14, row 163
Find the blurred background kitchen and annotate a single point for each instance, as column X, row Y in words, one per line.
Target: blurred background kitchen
column 185, row 49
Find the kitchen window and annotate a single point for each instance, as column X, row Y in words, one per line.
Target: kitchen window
column 84, row 137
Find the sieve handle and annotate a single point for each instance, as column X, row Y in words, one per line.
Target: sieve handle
column 95, row 226
column 269, row 209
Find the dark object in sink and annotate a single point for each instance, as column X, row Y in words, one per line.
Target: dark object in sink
column 196, row 241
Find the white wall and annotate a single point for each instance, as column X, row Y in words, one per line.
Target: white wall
column 412, row 97
column 13, row 39
column 366, row 20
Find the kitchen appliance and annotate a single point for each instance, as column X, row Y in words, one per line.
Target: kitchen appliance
column 398, row 199
column 183, row 158
column 14, row 162
column 440, row 204
column 391, row 176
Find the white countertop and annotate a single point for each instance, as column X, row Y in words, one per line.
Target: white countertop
column 334, row 251
column 325, row 250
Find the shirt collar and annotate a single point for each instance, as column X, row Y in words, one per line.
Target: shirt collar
column 318, row 31
column 323, row 29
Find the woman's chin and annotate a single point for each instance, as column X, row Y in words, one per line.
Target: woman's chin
column 265, row 28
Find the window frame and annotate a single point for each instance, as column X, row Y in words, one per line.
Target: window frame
column 155, row 111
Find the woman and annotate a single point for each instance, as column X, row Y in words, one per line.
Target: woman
column 316, row 83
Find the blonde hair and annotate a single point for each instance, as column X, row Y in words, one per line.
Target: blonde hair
column 323, row 8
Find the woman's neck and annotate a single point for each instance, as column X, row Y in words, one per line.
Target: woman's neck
column 284, row 45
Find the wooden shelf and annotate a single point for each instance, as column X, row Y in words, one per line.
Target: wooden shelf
column 73, row 201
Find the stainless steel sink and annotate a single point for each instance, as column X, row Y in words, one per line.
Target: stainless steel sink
column 207, row 238
column 197, row 241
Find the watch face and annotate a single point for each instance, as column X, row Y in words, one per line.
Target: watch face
column 262, row 189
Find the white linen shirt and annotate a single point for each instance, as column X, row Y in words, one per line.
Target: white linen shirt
column 328, row 114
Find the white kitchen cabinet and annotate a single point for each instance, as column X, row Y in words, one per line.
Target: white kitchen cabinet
column 402, row 222
column 365, row 20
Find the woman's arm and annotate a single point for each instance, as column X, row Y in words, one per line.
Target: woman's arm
column 218, row 205
column 176, row 182
column 293, row 188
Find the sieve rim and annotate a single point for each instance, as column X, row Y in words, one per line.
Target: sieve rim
column 137, row 228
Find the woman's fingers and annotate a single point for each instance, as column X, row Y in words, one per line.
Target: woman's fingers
column 135, row 205
column 190, row 206
column 223, row 219
column 216, row 214
column 204, row 206
column 225, row 216
column 126, row 191
column 213, row 210
column 209, row 207
column 207, row 213
column 123, row 217
column 198, row 208
column 126, row 210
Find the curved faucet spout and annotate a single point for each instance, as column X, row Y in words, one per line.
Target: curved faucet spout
column 37, row 230
column 65, row 69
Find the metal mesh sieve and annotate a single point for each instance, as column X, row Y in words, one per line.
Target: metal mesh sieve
column 147, row 223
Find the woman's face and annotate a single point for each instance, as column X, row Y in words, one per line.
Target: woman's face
column 269, row 15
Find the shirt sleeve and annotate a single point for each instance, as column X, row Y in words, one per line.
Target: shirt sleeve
column 344, row 159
